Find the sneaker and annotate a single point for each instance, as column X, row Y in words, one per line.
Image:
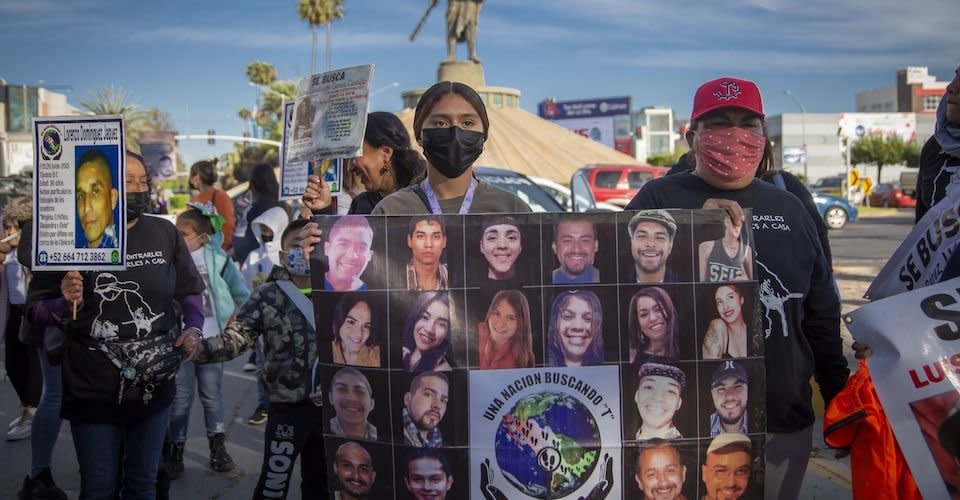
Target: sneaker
column 41, row 487
column 24, row 411
column 220, row 460
column 259, row 416
column 21, row 430
column 251, row 364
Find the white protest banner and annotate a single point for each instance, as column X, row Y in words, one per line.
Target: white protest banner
column 79, row 209
column 915, row 339
column 330, row 115
column 293, row 175
column 920, row 260
column 501, row 359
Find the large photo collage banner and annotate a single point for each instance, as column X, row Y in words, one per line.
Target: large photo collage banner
column 512, row 356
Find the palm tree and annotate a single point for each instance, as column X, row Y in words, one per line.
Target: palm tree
column 115, row 101
column 320, row 12
column 159, row 120
column 261, row 73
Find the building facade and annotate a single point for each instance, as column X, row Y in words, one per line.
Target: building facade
column 19, row 105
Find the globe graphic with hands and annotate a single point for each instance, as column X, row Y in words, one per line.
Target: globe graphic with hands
column 548, row 445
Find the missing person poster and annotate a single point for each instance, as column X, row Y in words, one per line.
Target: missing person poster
column 330, row 115
column 915, row 366
column 512, row 356
column 920, row 260
column 293, row 175
column 79, row 219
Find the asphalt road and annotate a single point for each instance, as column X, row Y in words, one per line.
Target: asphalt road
column 859, row 252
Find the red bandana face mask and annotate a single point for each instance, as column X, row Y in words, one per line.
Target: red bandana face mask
column 730, row 153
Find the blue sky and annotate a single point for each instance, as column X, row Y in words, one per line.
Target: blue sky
column 189, row 57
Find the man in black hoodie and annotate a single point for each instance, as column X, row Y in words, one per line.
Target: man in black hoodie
column 802, row 309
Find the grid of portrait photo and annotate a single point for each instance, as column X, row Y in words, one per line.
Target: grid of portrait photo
column 597, row 355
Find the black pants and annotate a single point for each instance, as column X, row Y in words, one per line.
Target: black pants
column 293, row 429
column 23, row 365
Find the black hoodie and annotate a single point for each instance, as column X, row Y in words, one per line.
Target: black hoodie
column 794, row 278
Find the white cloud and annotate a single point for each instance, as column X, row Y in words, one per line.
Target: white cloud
column 343, row 40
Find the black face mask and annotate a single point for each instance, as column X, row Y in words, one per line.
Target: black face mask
column 137, row 204
column 451, row 150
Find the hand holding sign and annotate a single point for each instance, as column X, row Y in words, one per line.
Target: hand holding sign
column 317, row 197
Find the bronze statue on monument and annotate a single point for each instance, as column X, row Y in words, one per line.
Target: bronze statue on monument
column 463, row 17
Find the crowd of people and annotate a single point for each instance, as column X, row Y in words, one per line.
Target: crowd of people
column 232, row 278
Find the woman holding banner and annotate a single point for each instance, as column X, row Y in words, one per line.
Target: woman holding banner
column 451, row 124
column 123, row 347
column 801, row 320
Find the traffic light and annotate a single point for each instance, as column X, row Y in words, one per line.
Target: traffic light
column 210, row 139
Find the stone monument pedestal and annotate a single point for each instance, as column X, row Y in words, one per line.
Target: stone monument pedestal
column 467, row 72
column 470, row 73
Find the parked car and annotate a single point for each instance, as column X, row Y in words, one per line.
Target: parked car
column 617, row 184
column 891, row 194
column 520, row 185
column 836, row 212
column 832, row 185
column 561, row 193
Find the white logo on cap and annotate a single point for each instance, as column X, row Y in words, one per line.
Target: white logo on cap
column 731, row 91
column 728, row 365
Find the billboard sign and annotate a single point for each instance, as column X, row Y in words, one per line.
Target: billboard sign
column 589, row 108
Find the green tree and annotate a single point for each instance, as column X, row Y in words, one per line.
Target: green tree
column 880, row 151
column 116, row 101
column 159, row 120
column 667, row 159
column 261, row 73
column 318, row 13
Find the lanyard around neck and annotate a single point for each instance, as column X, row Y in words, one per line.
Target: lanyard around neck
column 435, row 204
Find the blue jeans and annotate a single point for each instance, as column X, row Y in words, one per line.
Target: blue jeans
column 100, row 447
column 46, row 422
column 261, row 389
column 210, row 378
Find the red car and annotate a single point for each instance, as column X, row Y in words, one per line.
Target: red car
column 890, row 194
column 617, row 184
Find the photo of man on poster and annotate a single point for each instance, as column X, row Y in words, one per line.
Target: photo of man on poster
column 659, row 396
column 659, row 471
column 728, row 387
column 349, row 250
column 426, row 238
column 651, row 241
column 427, row 475
column 355, row 472
column 424, row 406
column 97, row 199
column 501, row 244
column 351, row 397
column 726, row 471
column 575, row 246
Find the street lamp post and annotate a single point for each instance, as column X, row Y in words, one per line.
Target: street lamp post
column 803, row 130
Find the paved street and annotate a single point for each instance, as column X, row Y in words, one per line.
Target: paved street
column 859, row 252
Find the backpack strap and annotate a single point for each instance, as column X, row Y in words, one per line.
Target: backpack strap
column 777, row 178
column 300, row 300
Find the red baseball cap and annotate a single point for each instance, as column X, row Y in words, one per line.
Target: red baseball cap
column 724, row 93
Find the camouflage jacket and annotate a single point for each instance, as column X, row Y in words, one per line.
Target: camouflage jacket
column 289, row 343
